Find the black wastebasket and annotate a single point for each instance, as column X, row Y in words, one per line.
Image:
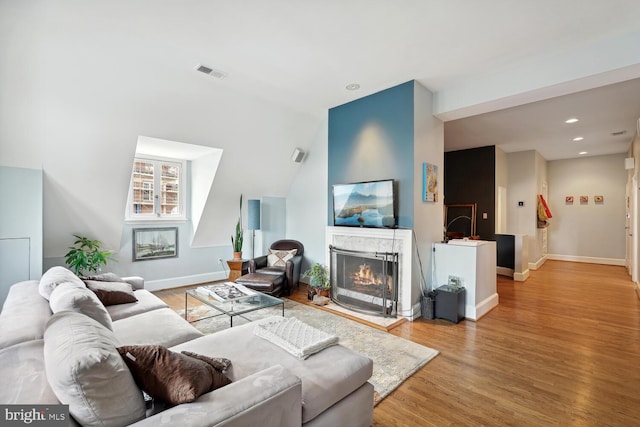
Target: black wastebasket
column 450, row 303
column 426, row 306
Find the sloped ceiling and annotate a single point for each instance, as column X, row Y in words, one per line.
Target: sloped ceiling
column 81, row 80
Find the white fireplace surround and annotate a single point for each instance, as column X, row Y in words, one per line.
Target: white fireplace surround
column 382, row 240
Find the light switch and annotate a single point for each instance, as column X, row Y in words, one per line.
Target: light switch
column 484, row 215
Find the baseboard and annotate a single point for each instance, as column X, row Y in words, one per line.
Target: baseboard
column 521, row 277
column 536, row 265
column 416, row 312
column 509, row 272
column 504, row 271
column 586, row 259
column 176, row 282
column 482, row 308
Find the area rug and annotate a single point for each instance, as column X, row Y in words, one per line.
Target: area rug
column 394, row 359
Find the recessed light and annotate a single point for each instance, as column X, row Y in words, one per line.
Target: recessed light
column 582, row 153
column 572, row 120
column 353, row 86
column 578, row 138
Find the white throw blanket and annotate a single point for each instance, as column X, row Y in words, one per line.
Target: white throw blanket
column 294, row 336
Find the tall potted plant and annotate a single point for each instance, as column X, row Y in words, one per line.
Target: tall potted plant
column 319, row 283
column 237, row 241
column 85, row 256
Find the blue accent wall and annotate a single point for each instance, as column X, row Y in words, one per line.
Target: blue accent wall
column 372, row 138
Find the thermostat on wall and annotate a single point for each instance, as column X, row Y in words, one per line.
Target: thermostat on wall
column 521, row 203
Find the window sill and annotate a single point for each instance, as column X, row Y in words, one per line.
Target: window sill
column 156, row 221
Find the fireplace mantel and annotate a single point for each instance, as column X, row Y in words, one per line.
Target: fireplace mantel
column 383, row 240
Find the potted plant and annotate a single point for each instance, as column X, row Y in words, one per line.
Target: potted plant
column 319, row 280
column 237, row 241
column 85, row 256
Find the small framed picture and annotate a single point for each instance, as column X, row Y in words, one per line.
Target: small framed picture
column 154, row 243
column 584, row 199
column 568, row 200
column 429, row 182
column 598, row 199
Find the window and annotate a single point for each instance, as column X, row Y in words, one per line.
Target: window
column 157, row 190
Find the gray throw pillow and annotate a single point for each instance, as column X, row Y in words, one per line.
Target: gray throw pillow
column 53, row 277
column 104, row 277
column 77, row 298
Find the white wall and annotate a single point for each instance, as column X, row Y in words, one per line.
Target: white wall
column 273, row 211
column 428, row 217
column 524, row 187
column 502, row 182
column 588, row 232
column 307, row 200
column 538, row 247
column 75, row 99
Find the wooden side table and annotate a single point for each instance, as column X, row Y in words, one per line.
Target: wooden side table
column 237, row 268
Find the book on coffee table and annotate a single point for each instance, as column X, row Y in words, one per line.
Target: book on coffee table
column 227, row 291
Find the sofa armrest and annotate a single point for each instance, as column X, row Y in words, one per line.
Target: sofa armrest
column 257, row 263
column 135, row 281
column 271, row 397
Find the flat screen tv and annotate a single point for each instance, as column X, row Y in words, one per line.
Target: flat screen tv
column 364, row 204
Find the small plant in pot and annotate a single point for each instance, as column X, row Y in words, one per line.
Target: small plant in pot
column 237, row 241
column 319, row 280
column 85, row 256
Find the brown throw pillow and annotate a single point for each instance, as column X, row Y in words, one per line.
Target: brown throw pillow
column 171, row 377
column 220, row 364
column 112, row 293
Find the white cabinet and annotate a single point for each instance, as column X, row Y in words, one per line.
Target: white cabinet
column 474, row 261
column 20, row 226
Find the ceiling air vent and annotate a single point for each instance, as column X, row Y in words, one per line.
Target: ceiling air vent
column 619, row 133
column 210, row 71
column 204, row 69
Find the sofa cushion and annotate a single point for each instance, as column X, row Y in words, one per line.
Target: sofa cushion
column 86, row 372
column 171, row 377
column 24, row 380
column 112, row 293
column 24, row 314
column 279, row 258
column 157, row 327
column 53, row 277
column 146, row 302
column 327, row 376
column 77, row 298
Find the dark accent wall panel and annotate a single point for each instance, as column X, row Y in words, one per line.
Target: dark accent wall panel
column 372, row 139
column 469, row 177
column 506, row 250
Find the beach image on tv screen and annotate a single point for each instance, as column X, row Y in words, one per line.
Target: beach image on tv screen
column 368, row 204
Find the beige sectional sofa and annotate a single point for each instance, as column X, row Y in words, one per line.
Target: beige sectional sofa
column 48, row 356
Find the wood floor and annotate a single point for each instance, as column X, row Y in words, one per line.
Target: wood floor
column 562, row 348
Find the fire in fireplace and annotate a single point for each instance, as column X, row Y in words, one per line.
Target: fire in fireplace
column 365, row 281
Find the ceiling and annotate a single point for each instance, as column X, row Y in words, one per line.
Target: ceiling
column 472, row 55
column 541, row 125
